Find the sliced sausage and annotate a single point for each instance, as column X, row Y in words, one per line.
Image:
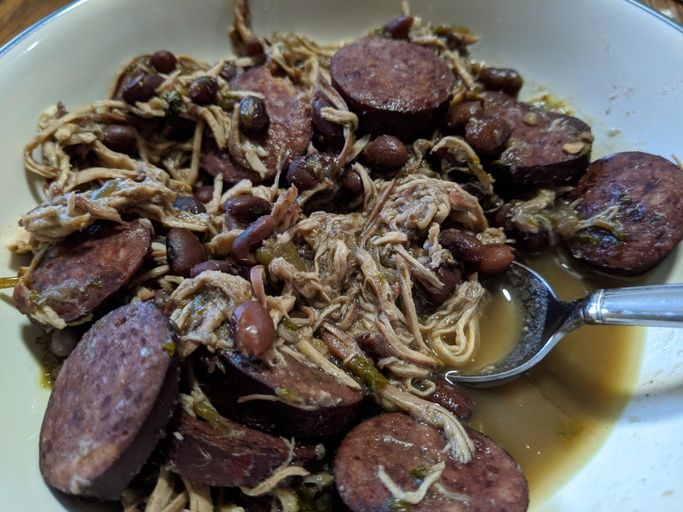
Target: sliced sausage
column 80, row 273
column 406, row 449
column 228, row 454
column 216, row 162
column 395, row 87
column 647, row 191
column 110, row 402
column 544, row 148
column 312, row 402
column 289, row 109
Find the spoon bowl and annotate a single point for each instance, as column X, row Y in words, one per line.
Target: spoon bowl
column 545, row 320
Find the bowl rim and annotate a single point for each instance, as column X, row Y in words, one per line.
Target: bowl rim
column 9, row 45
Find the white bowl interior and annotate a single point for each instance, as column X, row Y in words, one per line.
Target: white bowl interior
column 618, row 65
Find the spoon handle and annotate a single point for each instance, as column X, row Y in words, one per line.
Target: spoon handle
column 660, row 305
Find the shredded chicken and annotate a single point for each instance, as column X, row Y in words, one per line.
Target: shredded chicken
column 355, row 265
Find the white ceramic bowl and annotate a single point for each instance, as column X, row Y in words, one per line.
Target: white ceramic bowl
column 618, row 63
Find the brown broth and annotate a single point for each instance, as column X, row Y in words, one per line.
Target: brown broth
column 552, row 420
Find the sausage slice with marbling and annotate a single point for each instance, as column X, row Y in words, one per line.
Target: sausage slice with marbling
column 544, row 148
column 645, row 194
column 395, row 87
column 394, row 451
column 288, row 133
column 226, row 454
column 78, row 274
column 110, row 402
column 288, row 398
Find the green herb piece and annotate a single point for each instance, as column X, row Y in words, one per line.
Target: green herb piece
column 175, row 102
column 288, row 394
column 287, row 250
column 288, row 324
column 205, row 410
column 363, row 368
column 399, row 506
column 169, row 348
column 419, row 472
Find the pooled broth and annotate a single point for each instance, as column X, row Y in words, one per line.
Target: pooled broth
column 553, row 419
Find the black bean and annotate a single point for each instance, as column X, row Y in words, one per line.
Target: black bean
column 140, row 87
column 229, row 71
column 535, row 242
column 501, row 79
column 180, row 128
column 183, row 251
column 352, row 180
column 374, row 344
column 120, row 138
column 204, row 194
column 246, row 209
column 254, row 118
column 251, row 238
column 496, row 259
column 225, row 266
column 62, row 342
column 399, row 28
column 253, row 48
column 203, row 90
column 487, row 136
column 189, row 204
column 464, row 246
column 331, row 133
column 163, row 61
column 253, row 329
column 459, row 115
column 385, row 153
column 450, row 275
column 503, row 216
column 309, row 171
column 300, row 177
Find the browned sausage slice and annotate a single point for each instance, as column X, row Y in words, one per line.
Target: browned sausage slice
column 647, row 192
column 395, row 87
column 229, row 454
column 315, row 403
column 80, row 273
column 110, row 402
column 289, row 109
column 544, row 148
column 406, row 450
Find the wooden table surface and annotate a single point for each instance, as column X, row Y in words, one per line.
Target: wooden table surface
column 16, row 15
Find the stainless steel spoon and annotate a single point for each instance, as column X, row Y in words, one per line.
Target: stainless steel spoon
column 546, row 319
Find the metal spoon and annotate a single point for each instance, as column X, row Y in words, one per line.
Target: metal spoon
column 546, row 319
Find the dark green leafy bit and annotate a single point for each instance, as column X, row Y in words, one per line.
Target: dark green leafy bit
column 175, row 102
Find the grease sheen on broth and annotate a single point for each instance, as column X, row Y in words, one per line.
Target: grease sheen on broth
column 553, row 419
